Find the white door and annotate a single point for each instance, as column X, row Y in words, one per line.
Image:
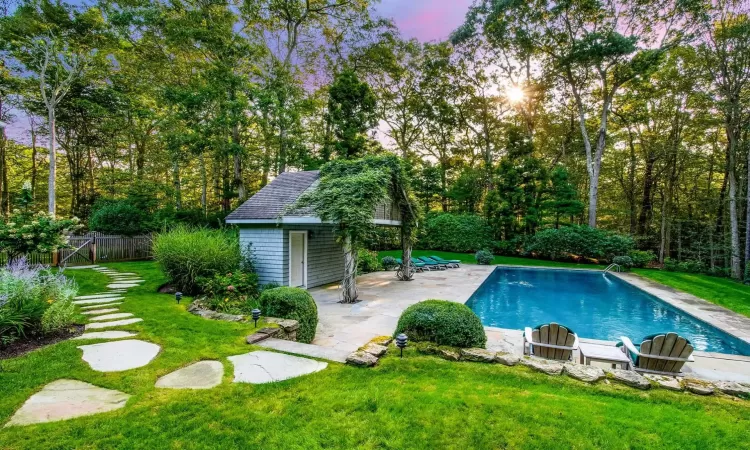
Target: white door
column 297, row 258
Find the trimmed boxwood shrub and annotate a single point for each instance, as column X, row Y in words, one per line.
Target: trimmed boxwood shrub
column 292, row 303
column 462, row 233
column 186, row 254
column 442, row 322
column 484, row 257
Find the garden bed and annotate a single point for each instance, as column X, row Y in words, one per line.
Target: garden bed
column 30, row 343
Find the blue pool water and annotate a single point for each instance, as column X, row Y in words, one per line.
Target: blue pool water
column 594, row 305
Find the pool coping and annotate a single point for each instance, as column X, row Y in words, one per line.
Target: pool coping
column 723, row 319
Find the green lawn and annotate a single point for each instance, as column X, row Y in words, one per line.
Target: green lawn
column 468, row 258
column 414, row 402
column 721, row 291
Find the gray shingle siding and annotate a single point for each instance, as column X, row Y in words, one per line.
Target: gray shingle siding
column 325, row 257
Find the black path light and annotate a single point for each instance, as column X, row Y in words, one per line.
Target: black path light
column 178, row 297
column 401, row 341
column 256, row 316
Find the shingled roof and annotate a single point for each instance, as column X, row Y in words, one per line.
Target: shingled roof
column 272, row 201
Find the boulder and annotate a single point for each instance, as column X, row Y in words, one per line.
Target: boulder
column 361, row 359
column 629, row 378
column 382, row 340
column 733, row 388
column 448, row 353
column 477, row 354
column 663, row 381
column 698, row 387
column 589, row 374
column 375, row 349
column 507, row 359
column 543, row 365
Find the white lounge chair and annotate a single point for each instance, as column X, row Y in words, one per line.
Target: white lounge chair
column 663, row 354
column 551, row 341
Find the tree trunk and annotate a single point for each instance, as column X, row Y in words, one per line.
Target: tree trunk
column 4, row 188
column 176, row 183
column 140, row 158
column 734, row 225
column 406, row 269
column 51, row 197
column 204, row 185
column 239, row 182
column 747, row 223
column 349, row 283
column 33, row 162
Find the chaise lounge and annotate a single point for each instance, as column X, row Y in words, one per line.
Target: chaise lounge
column 430, row 265
column 447, row 262
column 663, row 354
column 550, row 341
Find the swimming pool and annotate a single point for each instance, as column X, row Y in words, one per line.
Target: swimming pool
column 594, row 305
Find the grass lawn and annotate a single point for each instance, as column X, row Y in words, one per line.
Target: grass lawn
column 468, row 258
column 414, row 402
column 721, row 291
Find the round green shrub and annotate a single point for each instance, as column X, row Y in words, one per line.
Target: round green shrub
column 119, row 217
column 442, row 322
column 367, row 261
column 484, row 257
column 186, row 254
column 641, row 258
column 292, row 303
column 388, row 262
column 626, row 262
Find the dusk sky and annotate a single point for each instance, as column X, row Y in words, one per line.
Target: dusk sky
column 425, row 20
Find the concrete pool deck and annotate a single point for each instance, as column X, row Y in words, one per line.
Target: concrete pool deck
column 383, row 298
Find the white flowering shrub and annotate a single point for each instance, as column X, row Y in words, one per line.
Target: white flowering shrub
column 26, row 233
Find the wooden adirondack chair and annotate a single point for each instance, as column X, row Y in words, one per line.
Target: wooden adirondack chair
column 663, row 354
column 551, row 341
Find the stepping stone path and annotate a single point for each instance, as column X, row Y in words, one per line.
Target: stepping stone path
column 115, row 323
column 96, row 296
column 111, row 316
column 201, row 375
column 94, row 301
column 106, row 335
column 105, row 305
column 266, row 367
column 99, row 311
column 117, row 356
column 66, row 399
column 122, row 285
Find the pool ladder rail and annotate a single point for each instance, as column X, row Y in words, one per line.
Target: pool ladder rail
column 613, row 266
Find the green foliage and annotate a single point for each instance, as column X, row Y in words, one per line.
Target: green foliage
column 442, row 322
column 25, row 233
column 641, row 258
column 351, row 112
column 455, row 233
column 626, row 262
column 119, row 217
column 388, row 262
column 561, row 196
column 578, row 241
column 235, row 284
column 367, row 261
column 688, row 266
column 484, row 257
column 33, row 299
column 187, row 254
column 292, row 303
column 467, row 190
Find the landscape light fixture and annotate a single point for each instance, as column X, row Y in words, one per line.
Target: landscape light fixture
column 178, row 297
column 256, row 316
column 401, row 341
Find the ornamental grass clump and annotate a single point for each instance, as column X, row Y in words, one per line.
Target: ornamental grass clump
column 442, row 322
column 292, row 303
column 33, row 300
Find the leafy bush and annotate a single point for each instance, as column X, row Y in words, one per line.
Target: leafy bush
column 234, row 284
column 580, row 241
column 119, row 217
column 623, row 261
column 510, row 247
column 367, row 261
column 484, row 257
column 688, row 265
column 25, row 233
column 461, row 233
column 641, row 258
column 33, row 299
column 292, row 303
column 186, row 254
column 442, row 322
column 389, row 262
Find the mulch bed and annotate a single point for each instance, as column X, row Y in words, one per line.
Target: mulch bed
column 23, row 346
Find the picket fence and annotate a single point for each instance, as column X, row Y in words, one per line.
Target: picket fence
column 94, row 247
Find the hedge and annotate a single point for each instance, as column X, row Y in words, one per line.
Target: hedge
column 442, row 322
column 462, row 233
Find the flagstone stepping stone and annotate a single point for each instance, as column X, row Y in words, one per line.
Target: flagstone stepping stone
column 111, row 316
column 96, row 296
column 201, row 375
column 105, row 335
column 97, row 300
column 99, row 311
column 99, row 305
column 115, row 323
column 266, row 367
column 119, row 355
column 81, row 267
column 67, row 399
column 122, row 285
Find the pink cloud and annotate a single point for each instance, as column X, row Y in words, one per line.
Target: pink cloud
column 426, row 20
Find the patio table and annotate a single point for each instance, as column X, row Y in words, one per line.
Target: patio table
column 603, row 353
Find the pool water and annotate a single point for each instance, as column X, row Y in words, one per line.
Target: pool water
column 592, row 304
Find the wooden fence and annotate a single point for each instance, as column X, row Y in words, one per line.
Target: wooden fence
column 94, row 247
